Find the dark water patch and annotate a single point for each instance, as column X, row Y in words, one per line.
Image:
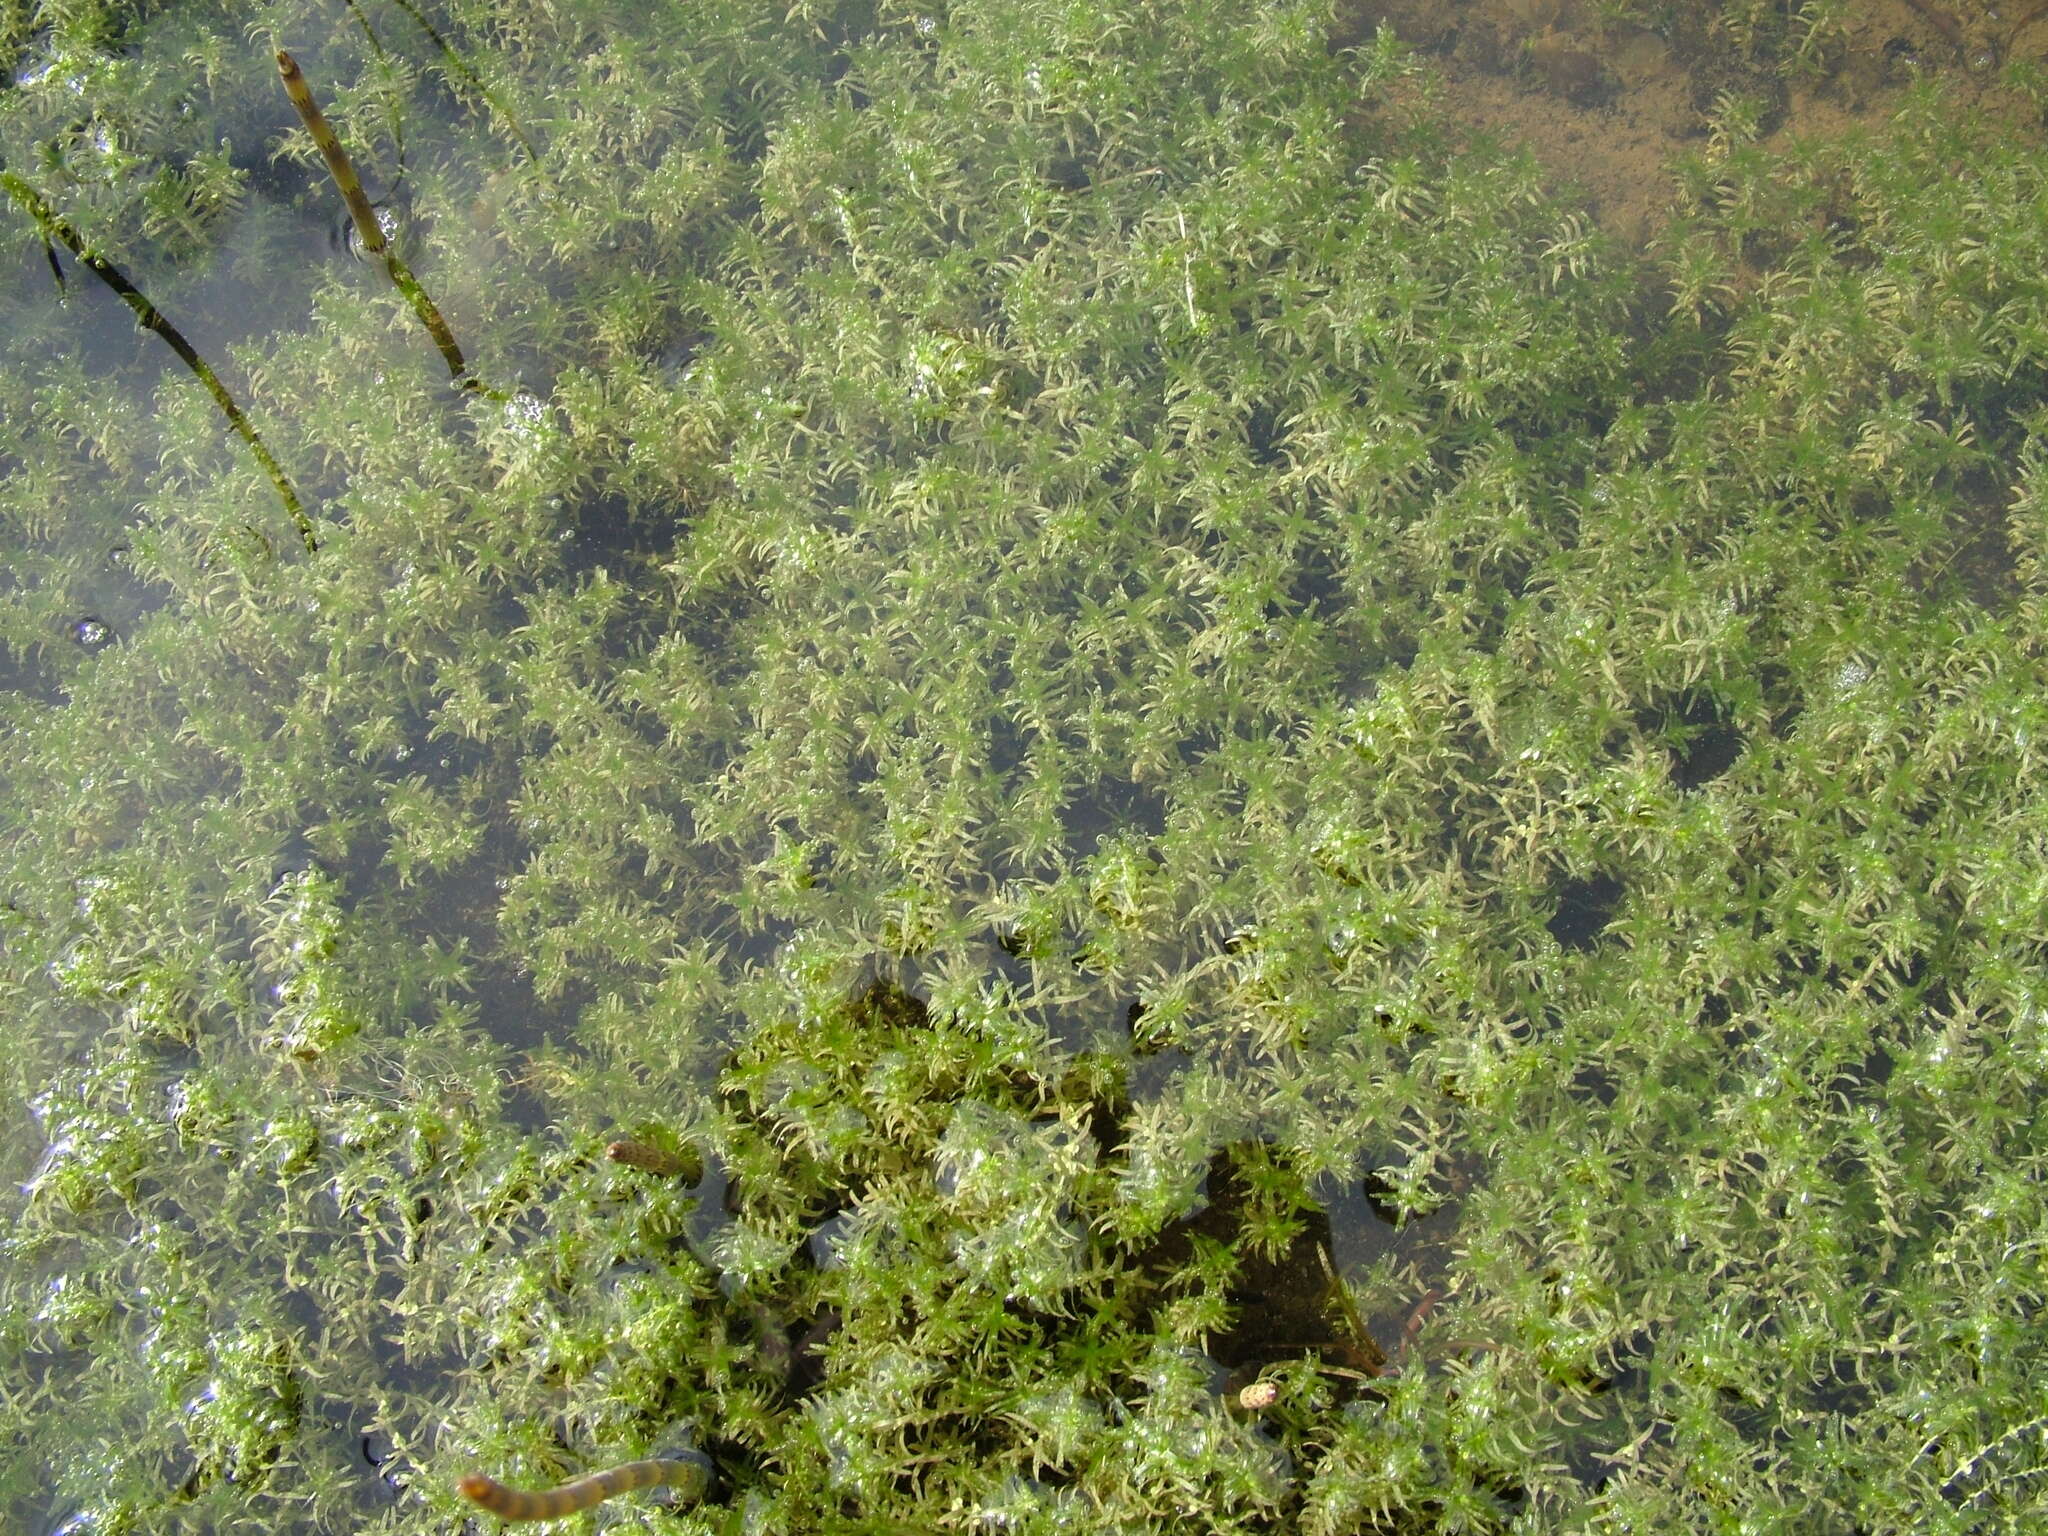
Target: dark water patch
column 1373, row 1227
column 1583, row 909
column 1146, row 1044
column 1382, row 1201
column 1116, row 806
column 616, row 534
column 1593, row 1084
column 1264, row 436
column 1782, row 697
column 1981, row 560
column 1068, row 173
column 1285, row 1293
column 1698, row 732
column 1619, row 1425
column 25, row 671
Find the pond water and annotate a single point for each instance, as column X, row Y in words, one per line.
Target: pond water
column 1182, row 730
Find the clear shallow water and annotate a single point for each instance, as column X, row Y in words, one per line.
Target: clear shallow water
column 1141, row 545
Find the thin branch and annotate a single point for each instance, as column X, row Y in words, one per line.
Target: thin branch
column 460, row 66
column 367, row 228
column 55, row 228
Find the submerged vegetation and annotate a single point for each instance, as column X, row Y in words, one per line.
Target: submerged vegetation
column 1142, row 726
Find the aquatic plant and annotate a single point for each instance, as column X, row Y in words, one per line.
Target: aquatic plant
column 1098, row 658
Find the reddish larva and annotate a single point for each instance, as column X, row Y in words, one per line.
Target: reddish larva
column 579, row 1493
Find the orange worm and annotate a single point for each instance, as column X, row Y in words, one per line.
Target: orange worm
column 579, row 1493
column 1416, row 1319
column 1410, row 1329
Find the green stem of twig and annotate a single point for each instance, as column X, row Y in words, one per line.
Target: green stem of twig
column 396, row 117
column 461, row 67
column 55, row 228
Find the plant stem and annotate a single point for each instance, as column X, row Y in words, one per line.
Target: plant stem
column 367, row 227
column 54, row 227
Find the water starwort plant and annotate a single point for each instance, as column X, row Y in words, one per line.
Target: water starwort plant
column 1151, row 725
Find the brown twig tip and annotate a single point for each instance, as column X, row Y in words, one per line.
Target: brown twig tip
column 368, row 229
